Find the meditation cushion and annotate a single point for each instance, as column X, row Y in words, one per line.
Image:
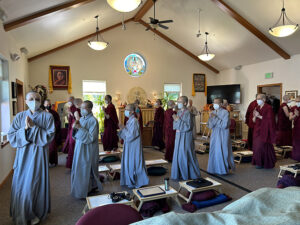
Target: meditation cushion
column 189, row 207
column 204, row 195
column 110, row 159
column 288, row 180
column 149, row 208
column 106, row 215
column 217, row 200
column 156, row 171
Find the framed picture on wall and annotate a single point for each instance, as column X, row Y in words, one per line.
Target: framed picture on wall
column 293, row 94
column 60, row 76
column 199, row 82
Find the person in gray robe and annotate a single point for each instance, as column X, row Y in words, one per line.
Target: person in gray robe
column 185, row 165
column 84, row 172
column 133, row 170
column 220, row 152
column 31, row 133
column 194, row 113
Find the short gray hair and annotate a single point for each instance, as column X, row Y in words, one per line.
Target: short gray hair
column 89, row 104
column 185, row 99
column 77, row 101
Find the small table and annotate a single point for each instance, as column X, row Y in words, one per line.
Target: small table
column 104, row 169
column 241, row 154
column 171, row 193
column 110, row 153
column 288, row 168
column 239, row 144
column 282, row 150
column 100, row 200
column 215, row 186
column 117, row 167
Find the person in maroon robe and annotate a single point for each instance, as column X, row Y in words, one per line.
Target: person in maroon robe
column 284, row 125
column 111, row 125
column 158, row 139
column 53, row 157
column 71, row 119
column 264, row 134
column 169, row 132
column 250, row 123
column 295, row 116
column 76, row 115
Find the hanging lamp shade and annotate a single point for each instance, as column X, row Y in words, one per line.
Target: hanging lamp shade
column 98, row 43
column 124, row 5
column 284, row 29
column 206, row 55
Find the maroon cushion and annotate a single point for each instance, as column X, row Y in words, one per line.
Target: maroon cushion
column 112, row 214
column 189, row 207
column 204, row 195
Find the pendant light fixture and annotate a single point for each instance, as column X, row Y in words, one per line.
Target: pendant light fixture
column 285, row 29
column 206, row 55
column 99, row 43
column 124, row 5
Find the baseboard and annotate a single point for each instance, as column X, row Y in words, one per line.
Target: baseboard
column 6, row 178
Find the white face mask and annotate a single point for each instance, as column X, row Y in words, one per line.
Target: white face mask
column 260, row 102
column 180, row 105
column 84, row 112
column 216, row 106
column 127, row 113
column 33, row 105
column 106, row 102
column 298, row 104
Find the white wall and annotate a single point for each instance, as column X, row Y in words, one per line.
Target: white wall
column 17, row 70
column 285, row 72
column 166, row 64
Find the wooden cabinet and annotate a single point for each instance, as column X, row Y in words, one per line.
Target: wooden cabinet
column 147, row 114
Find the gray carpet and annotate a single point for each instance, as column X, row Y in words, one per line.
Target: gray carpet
column 67, row 210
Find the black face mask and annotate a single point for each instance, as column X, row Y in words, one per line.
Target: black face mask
column 48, row 107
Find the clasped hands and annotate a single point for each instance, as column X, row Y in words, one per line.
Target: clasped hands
column 175, row 117
column 28, row 123
column 212, row 115
column 256, row 114
column 76, row 124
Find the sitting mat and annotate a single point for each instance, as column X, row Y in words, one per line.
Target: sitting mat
column 109, row 159
column 217, row 200
column 156, row 171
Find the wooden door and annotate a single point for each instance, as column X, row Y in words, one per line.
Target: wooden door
column 20, row 96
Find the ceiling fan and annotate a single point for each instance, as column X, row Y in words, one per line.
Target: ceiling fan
column 155, row 23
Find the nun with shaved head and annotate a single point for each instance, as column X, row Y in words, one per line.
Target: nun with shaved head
column 31, row 133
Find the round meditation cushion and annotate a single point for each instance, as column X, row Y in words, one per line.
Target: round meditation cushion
column 156, row 171
column 109, row 159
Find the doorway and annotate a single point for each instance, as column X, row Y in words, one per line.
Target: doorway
column 20, row 96
column 274, row 90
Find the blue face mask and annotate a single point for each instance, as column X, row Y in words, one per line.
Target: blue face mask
column 84, row 112
column 127, row 113
column 33, row 105
column 180, row 105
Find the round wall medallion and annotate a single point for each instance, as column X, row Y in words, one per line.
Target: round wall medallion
column 135, row 65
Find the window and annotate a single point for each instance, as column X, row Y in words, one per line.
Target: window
column 172, row 91
column 4, row 99
column 95, row 91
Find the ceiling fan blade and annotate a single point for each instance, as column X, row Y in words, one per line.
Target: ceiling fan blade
column 166, row 21
column 162, row 26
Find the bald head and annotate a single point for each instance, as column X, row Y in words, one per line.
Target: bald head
column 77, row 102
column 184, row 99
column 286, row 98
column 171, row 104
column 218, row 101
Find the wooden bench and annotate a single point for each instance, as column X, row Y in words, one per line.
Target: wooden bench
column 281, row 151
column 241, row 154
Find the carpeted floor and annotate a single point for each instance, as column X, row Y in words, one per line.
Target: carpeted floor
column 66, row 210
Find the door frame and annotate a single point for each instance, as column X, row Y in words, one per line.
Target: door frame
column 259, row 88
column 20, row 83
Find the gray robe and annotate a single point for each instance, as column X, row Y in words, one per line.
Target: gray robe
column 194, row 113
column 84, row 173
column 220, row 151
column 133, row 170
column 185, row 164
column 30, row 191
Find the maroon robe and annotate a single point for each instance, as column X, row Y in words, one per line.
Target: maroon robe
column 158, row 139
column 169, row 134
column 296, row 136
column 110, row 136
column 71, row 145
column 53, row 157
column 69, row 138
column 140, row 119
column 264, row 137
column 249, row 122
column 284, row 128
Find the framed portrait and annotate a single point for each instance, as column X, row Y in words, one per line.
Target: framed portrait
column 199, row 82
column 293, row 94
column 60, row 76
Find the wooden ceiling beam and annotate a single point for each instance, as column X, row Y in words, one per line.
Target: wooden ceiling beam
column 246, row 24
column 76, row 41
column 39, row 15
column 145, row 8
column 178, row 46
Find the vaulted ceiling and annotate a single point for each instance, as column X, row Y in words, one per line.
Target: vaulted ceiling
column 229, row 40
